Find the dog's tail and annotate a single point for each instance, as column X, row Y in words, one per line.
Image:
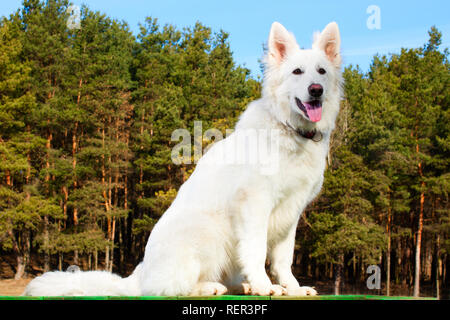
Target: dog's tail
column 88, row 283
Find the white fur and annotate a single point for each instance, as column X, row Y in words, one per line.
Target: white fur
column 229, row 217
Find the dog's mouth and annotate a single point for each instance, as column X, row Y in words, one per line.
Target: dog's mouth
column 312, row 109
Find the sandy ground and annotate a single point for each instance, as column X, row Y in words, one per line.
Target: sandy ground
column 11, row 287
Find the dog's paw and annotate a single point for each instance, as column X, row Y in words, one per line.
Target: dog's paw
column 301, row 291
column 246, row 288
column 264, row 290
column 209, row 289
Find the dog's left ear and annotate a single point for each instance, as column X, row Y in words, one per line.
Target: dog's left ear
column 329, row 41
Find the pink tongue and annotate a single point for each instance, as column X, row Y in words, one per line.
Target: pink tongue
column 314, row 111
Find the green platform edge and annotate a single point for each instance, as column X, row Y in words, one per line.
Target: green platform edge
column 224, row 297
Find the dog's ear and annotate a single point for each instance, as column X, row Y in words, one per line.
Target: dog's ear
column 329, row 40
column 281, row 43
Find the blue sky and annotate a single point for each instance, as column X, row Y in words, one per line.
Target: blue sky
column 403, row 23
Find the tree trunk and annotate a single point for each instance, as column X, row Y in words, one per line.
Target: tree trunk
column 21, row 264
column 438, row 266
column 417, row 258
column 338, row 275
column 74, row 155
column 60, row 261
column 107, row 257
column 125, row 206
column 28, row 176
column 74, row 165
column 48, row 146
column 406, row 264
column 113, row 235
column 388, row 255
column 418, row 247
column 107, row 202
column 46, row 244
column 8, row 177
column 398, row 269
column 22, row 256
column 66, row 198
column 330, row 271
column 113, row 220
column 429, row 261
column 96, row 259
column 420, row 227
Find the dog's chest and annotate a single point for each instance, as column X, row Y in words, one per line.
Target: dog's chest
column 298, row 183
column 302, row 171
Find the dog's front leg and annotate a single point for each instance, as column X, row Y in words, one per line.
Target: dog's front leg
column 281, row 257
column 251, row 226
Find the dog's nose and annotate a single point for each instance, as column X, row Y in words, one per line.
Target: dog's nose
column 315, row 90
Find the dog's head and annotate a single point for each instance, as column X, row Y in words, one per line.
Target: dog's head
column 304, row 83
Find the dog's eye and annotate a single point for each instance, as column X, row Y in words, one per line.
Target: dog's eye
column 297, row 71
column 321, row 71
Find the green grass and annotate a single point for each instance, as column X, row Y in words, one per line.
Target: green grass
column 224, row 297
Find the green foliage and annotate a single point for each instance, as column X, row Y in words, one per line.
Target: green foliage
column 339, row 234
column 342, row 222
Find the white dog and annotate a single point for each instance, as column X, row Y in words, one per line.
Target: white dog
column 229, row 217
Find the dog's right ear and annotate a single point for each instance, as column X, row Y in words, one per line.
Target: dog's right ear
column 329, row 40
column 281, row 43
